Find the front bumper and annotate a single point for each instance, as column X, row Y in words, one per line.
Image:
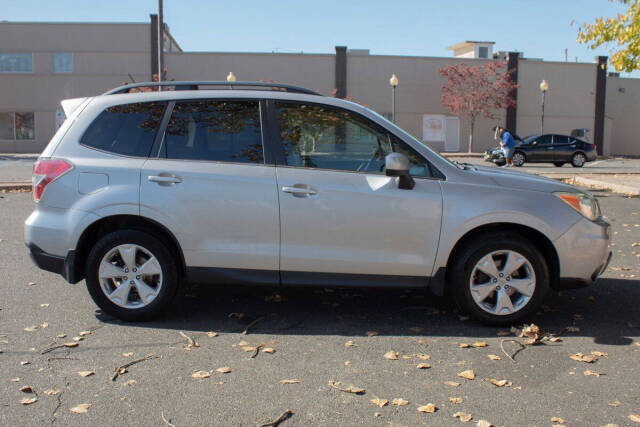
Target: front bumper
column 63, row 266
column 583, row 253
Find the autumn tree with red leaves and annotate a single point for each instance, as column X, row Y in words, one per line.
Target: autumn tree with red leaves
column 477, row 90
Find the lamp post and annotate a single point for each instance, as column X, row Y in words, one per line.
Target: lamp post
column 231, row 77
column 393, row 81
column 544, row 87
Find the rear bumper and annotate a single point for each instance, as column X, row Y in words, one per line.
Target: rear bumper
column 63, row 266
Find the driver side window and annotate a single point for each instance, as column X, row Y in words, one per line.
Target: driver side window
column 317, row 136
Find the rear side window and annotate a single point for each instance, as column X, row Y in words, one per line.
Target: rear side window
column 127, row 129
column 215, row 130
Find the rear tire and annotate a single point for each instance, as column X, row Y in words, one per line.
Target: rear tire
column 131, row 275
column 578, row 160
column 558, row 164
column 518, row 158
column 484, row 296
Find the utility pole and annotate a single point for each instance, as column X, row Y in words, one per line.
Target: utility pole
column 160, row 43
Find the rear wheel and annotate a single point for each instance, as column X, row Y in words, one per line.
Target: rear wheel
column 499, row 279
column 518, row 158
column 130, row 275
column 558, row 164
column 578, row 160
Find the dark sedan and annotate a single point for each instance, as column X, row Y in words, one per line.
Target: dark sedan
column 548, row 148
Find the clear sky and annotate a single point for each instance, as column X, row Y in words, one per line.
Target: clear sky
column 539, row 28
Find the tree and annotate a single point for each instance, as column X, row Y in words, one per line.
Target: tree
column 623, row 30
column 477, row 90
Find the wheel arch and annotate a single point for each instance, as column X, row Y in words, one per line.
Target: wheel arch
column 105, row 225
column 538, row 239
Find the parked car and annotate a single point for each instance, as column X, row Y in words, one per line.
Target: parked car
column 548, row 148
column 138, row 193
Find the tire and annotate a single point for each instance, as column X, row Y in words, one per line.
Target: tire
column 158, row 287
column 578, row 160
column 518, row 158
column 465, row 275
column 558, row 164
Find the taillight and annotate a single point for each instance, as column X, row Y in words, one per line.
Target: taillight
column 45, row 171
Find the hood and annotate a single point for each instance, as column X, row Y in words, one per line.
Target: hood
column 522, row 180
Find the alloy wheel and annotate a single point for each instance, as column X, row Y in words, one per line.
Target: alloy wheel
column 518, row 159
column 502, row 282
column 130, row 276
column 578, row 160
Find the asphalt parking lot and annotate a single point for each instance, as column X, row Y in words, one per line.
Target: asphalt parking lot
column 318, row 336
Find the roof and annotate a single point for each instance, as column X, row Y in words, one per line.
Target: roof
column 468, row 43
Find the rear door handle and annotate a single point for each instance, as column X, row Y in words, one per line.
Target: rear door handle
column 300, row 190
column 164, row 179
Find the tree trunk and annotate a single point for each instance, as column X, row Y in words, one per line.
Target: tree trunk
column 473, row 124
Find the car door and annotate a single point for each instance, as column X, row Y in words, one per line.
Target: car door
column 539, row 149
column 562, row 148
column 211, row 187
column 341, row 217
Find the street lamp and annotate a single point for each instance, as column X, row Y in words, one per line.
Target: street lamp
column 231, row 77
column 544, row 87
column 393, row 81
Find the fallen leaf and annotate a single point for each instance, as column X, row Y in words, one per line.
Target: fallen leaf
column 429, row 408
column 493, row 357
column 129, row 354
column 269, row 350
column 615, row 403
column 81, row 408
column 423, row 366
column 398, row 401
column 350, row 344
column 600, row 354
column 248, row 348
column 635, row 418
column 211, row 334
column 86, row 373
column 78, row 339
column 52, row 392
column 15, row 380
column 484, row 423
column 557, row 420
column 379, row 402
column 455, row 399
column 463, row 416
column 292, row 381
column 224, row 370
column 591, row 373
column 498, row 383
column 201, row 374
column 468, row 374
column 391, row 355
column 44, row 305
column 31, row 328
column 463, row 345
column 371, row 333
column 44, row 325
column 70, row 344
column 405, row 357
column 350, row 389
column 243, row 343
column 25, row 362
column 479, row 344
column 61, row 336
column 131, row 383
column 28, row 400
column 84, row 333
column 423, row 356
column 31, row 284
column 589, row 358
column 452, row 383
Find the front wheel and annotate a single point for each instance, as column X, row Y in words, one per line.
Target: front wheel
column 578, row 160
column 131, row 275
column 499, row 279
column 518, row 159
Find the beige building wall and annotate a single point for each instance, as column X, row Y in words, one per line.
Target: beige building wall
column 623, row 113
column 570, row 100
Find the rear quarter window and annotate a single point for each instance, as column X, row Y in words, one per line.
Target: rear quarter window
column 127, row 129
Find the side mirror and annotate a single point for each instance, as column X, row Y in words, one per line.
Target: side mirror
column 397, row 164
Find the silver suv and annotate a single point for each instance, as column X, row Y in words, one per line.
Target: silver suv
column 278, row 185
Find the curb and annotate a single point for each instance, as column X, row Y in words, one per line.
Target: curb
column 15, row 186
column 602, row 185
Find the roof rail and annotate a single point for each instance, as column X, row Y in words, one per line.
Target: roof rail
column 195, row 85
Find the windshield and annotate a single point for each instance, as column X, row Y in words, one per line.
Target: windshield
column 529, row 139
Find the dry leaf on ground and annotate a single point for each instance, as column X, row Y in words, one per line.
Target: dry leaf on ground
column 350, row 389
column 454, row 399
column 350, row 343
column 493, row 357
column 429, row 408
column 52, row 392
column 635, row 418
column 28, row 400
column 61, row 336
column 599, row 353
column 452, row 383
column 468, row 374
column 31, row 284
column 131, row 383
column 44, row 325
column 212, row 334
column 557, row 420
column 31, row 328
column 248, row 348
column 423, row 366
column 484, row 423
column 129, row 354
column 84, row 333
column 81, row 408
column 589, row 358
column 463, row 416
column 391, row 355
column 268, row 350
column 70, row 344
column 224, row 370
column 398, row 401
column 592, row 374
column 498, row 383
column 291, row 381
column 86, row 373
column 379, row 402
column 463, row 345
column 615, row 403
column 423, row 356
column 479, row 344
column 201, row 374
column 25, row 362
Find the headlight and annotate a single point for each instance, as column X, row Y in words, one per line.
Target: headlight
column 584, row 203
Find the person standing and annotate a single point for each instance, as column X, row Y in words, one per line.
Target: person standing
column 508, row 145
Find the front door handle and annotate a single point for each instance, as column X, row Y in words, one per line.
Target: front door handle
column 164, row 179
column 300, row 190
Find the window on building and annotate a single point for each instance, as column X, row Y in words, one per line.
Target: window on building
column 63, row 62
column 315, row 136
column 483, row 52
column 16, row 63
column 17, row 126
column 223, row 131
column 127, row 129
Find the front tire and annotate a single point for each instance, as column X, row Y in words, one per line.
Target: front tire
column 578, row 160
column 131, row 275
column 518, row 159
column 499, row 279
